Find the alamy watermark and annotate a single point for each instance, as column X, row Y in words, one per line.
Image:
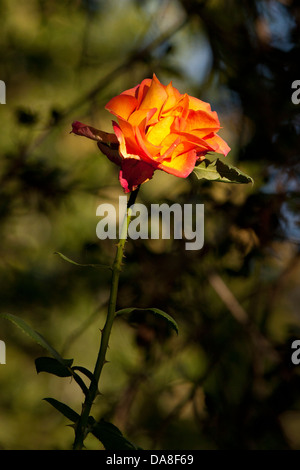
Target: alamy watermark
column 2, row 92
column 296, row 354
column 296, row 94
column 2, row 352
column 165, row 221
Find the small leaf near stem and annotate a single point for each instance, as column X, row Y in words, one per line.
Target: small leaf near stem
column 82, row 424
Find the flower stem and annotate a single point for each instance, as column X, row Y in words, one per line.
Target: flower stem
column 82, row 425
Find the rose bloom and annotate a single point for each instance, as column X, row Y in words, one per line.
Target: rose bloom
column 158, row 128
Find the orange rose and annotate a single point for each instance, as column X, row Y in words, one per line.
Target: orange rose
column 158, row 129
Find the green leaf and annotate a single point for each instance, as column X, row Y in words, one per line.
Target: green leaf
column 63, row 409
column 132, row 314
column 222, row 172
column 107, row 433
column 53, row 366
column 37, row 337
column 64, row 257
column 80, row 382
column 110, row 436
column 85, row 371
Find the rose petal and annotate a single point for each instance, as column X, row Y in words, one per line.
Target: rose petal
column 181, row 165
column 131, row 91
column 197, row 141
column 92, row 133
column 158, row 132
column 112, row 154
column 202, row 119
column 122, row 106
column 155, row 97
column 149, row 151
column 142, row 90
column 173, row 95
column 133, row 173
column 128, row 147
column 141, row 116
column 197, row 105
column 180, row 108
column 219, row 145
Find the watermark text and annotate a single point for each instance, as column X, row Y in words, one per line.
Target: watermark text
column 2, row 92
column 163, row 221
column 296, row 354
column 296, row 94
column 2, row 352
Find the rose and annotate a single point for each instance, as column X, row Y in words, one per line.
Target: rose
column 158, row 129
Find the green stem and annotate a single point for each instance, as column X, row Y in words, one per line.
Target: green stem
column 82, row 425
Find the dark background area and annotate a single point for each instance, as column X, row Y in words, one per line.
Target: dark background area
column 227, row 380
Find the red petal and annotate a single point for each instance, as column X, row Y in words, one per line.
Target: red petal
column 133, row 173
column 92, row 133
column 112, row 154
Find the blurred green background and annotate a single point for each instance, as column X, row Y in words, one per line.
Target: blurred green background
column 222, row 383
